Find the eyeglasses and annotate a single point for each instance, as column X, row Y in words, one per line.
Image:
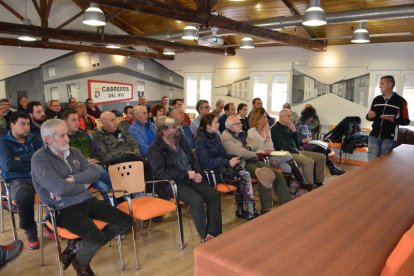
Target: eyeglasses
column 290, row 116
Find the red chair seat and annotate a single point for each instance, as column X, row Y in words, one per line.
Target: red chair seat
column 147, row 207
column 66, row 234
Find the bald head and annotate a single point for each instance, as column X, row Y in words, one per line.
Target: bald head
column 140, row 114
column 108, row 120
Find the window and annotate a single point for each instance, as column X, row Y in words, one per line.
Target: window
column 198, row 86
column 271, row 88
column 408, row 93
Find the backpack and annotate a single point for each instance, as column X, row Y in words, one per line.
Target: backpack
column 357, row 140
column 344, row 130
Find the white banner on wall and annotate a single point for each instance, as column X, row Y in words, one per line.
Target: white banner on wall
column 108, row 92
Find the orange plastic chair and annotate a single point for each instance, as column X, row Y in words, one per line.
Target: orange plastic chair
column 128, row 178
column 222, row 188
column 401, row 260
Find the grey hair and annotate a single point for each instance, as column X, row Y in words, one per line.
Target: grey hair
column 48, row 128
column 136, row 108
column 229, row 122
column 219, row 101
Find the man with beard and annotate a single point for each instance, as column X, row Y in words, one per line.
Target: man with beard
column 60, row 176
column 171, row 158
column 17, row 148
column 37, row 116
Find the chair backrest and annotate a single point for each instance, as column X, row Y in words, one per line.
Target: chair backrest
column 401, row 260
column 192, row 116
column 128, row 176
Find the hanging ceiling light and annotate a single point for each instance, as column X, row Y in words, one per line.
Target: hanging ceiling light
column 168, row 52
column 246, row 43
column 189, row 33
column 361, row 34
column 94, row 16
column 112, row 46
column 26, row 37
column 314, row 15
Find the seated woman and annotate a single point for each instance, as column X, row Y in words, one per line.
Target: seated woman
column 258, row 139
column 242, row 115
column 211, row 155
column 303, row 128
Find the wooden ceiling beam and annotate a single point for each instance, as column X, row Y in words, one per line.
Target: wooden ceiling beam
column 126, row 40
column 36, row 5
column 111, row 15
column 295, row 11
column 82, row 48
column 210, row 20
column 205, row 5
column 10, row 9
column 61, row 26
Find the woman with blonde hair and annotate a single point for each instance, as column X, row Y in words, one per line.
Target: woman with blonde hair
column 258, row 139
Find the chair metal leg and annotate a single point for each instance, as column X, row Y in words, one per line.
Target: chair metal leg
column 135, row 246
column 57, row 241
column 121, row 255
column 180, row 226
column 39, row 210
column 9, row 202
column 149, row 225
column 1, row 215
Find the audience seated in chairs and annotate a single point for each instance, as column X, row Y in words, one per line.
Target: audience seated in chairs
column 212, row 156
column 22, row 106
column 91, row 109
column 304, row 130
column 86, row 121
column 157, row 110
column 218, row 110
column 295, row 116
column 37, row 116
column 178, row 103
column 53, row 110
column 165, row 101
column 17, row 148
column 72, row 103
column 83, row 142
column 3, row 122
column 257, row 103
column 142, row 130
column 258, row 139
column 129, row 117
column 285, row 137
column 229, row 110
column 171, row 158
column 202, row 107
column 235, row 144
column 60, row 174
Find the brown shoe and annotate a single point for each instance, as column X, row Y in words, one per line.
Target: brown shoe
column 69, row 253
column 82, row 270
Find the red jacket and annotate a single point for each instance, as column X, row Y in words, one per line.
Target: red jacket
column 82, row 122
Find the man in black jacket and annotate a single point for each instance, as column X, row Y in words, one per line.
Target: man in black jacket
column 171, row 158
column 387, row 112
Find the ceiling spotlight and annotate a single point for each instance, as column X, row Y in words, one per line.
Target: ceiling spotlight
column 189, row 33
column 94, row 16
column 168, row 52
column 314, row 15
column 246, row 43
column 361, row 34
column 26, row 37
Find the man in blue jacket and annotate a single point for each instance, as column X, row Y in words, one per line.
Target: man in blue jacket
column 17, row 148
column 142, row 130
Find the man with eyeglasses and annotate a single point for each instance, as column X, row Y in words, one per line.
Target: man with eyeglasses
column 72, row 103
column 235, row 144
column 53, row 111
column 203, row 107
column 285, row 137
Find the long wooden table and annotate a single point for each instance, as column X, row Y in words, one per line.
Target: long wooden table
column 347, row 227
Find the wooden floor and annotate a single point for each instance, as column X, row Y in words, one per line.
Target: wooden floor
column 159, row 252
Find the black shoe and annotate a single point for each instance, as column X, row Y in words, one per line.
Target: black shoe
column 10, row 252
column 249, row 216
column 240, row 213
column 319, row 184
column 69, row 253
column 82, row 270
column 308, row 186
column 336, row 171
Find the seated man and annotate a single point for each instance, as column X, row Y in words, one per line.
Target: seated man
column 86, row 121
column 142, row 130
column 235, row 144
column 83, row 142
column 92, row 109
column 54, row 110
column 285, row 137
column 129, row 117
column 229, row 109
column 171, row 158
column 17, row 148
column 61, row 175
column 37, row 116
column 114, row 145
column 178, row 103
column 203, row 108
column 178, row 115
column 257, row 103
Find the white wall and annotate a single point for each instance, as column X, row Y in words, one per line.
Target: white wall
column 367, row 57
column 2, row 89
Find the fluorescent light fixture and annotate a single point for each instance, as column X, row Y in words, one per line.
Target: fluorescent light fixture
column 189, row 33
column 94, row 16
column 26, row 37
column 168, row 52
column 314, row 15
column 361, row 34
column 112, row 46
column 246, row 43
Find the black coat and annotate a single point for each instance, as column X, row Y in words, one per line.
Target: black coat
column 163, row 162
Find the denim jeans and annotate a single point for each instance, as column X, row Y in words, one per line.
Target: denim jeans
column 378, row 146
column 23, row 192
column 78, row 220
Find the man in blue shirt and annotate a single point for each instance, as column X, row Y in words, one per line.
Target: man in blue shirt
column 229, row 110
column 142, row 130
column 17, row 148
column 178, row 115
